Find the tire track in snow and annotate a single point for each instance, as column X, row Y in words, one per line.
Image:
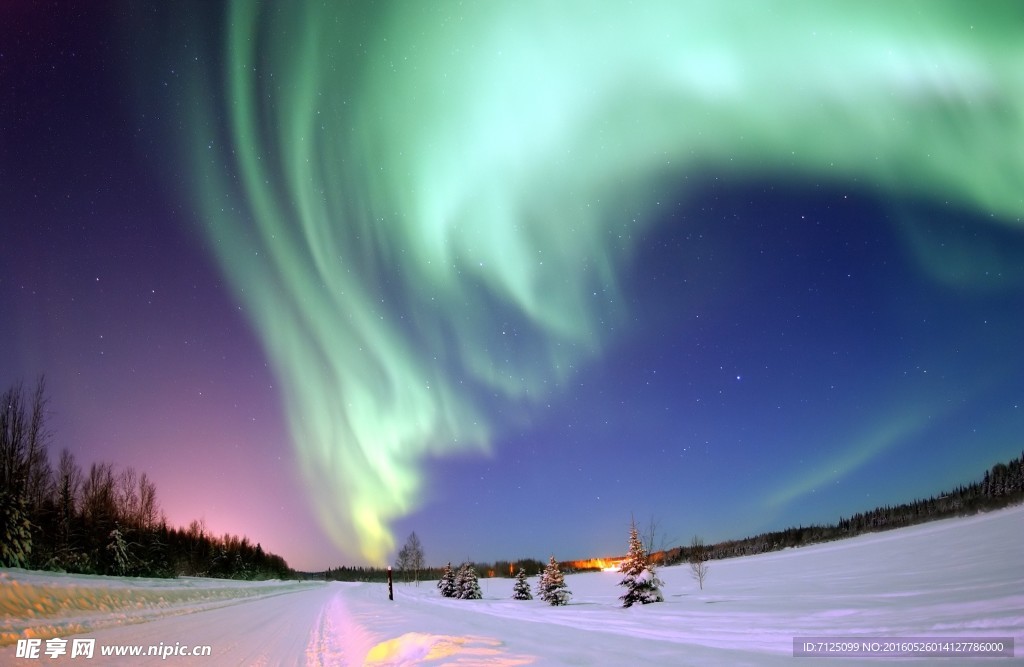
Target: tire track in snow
column 337, row 638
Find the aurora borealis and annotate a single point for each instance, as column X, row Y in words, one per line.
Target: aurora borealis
column 496, row 254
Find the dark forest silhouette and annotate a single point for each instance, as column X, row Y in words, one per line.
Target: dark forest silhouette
column 103, row 521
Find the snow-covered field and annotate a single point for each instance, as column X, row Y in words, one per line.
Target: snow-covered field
column 954, row 578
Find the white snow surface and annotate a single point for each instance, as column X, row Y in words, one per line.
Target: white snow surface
column 953, row 578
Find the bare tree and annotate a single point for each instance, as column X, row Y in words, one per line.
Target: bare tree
column 128, row 497
column 654, row 543
column 13, row 449
column 198, row 546
column 15, row 522
column 69, row 483
column 699, row 556
column 24, row 464
column 99, row 497
column 39, row 476
column 410, row 558
column 26, row 481
column 149, row 511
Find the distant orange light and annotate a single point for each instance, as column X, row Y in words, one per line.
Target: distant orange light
column 605, row 564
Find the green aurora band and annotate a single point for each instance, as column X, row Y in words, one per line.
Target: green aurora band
column 424, row 206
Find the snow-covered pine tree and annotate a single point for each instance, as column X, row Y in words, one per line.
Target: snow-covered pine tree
column 641, row 582
column 460, row 577
column 555, row 590
column 521, row 591
column 447, row 582
column 468, row 588
column 542, row 585
column 118, row 547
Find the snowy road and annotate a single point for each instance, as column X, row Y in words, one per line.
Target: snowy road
column 956, row 578
column 354, row 624
column 267, row 631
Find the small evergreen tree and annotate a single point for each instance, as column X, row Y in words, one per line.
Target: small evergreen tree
column 447, row 582
column 553, row 589
column 542, row 584
column 521, row 591
column 460, row 578
column 466, row 583
column 641, row 582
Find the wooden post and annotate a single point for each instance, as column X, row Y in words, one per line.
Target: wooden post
column 391, row 590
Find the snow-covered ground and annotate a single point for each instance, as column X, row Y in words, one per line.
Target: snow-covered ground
column 955, row 578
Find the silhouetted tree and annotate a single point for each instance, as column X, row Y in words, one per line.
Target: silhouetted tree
column 24, row 474
column 69, row 481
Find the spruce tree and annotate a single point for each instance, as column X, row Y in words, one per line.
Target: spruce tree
column 460, row 578
column 118, row 547
column 641, row 582
column 555, row 592
column 521, row 591
column 447, row 582
column 466, row 584
column 542, row 583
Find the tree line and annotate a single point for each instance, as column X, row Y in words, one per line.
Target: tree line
column 101, row 521
column 410, row 566
column 501, row 568
column 1001, row 486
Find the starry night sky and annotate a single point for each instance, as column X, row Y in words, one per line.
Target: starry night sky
column 512, row 275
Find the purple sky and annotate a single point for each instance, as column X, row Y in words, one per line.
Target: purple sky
column 785, row 356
